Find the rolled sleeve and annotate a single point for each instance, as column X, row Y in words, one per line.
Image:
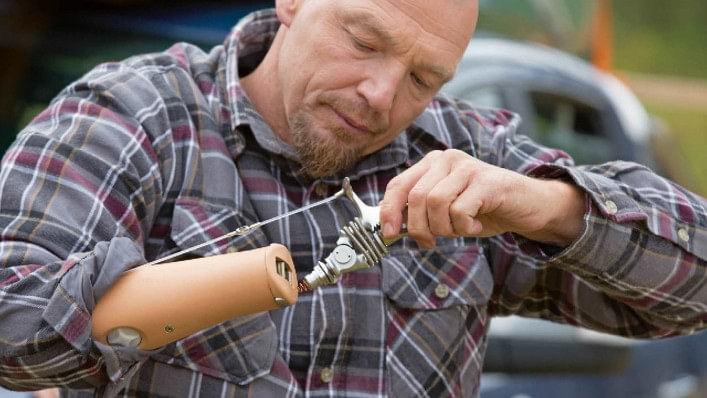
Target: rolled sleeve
column 80, row 189
column 642, row 244
column 83, row 284
column 62, row 351
column 626, row 193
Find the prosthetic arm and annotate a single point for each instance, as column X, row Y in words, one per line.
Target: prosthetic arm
column 153, row 305
column 161, row 302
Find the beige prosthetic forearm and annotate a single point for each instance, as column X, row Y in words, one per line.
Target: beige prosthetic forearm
column 153, row 305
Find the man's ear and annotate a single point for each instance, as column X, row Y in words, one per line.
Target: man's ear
column 286, row 10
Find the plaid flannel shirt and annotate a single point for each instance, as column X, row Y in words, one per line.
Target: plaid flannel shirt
column 157, row 153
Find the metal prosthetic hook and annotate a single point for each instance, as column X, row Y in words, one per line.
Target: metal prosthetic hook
column 360, row 245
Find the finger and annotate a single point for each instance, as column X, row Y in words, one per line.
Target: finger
column 464, row 211
column 418, row 220
column 468, row 226
column 439, row 202
column 396, row 197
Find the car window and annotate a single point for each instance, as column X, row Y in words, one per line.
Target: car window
column 572, row 126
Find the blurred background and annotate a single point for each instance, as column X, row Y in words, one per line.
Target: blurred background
column 601, row 79
column 656, row 48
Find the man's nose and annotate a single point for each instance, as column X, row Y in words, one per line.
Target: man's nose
column 381, row 85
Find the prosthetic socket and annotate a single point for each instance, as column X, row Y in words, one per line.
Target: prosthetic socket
column 158, row 303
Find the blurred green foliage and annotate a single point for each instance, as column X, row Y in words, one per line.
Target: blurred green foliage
column 667, row 38
column 685, row 153
column 651, row 36
column 658, row 36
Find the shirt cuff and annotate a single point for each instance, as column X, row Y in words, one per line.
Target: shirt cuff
column 612, row 216
column 581, row 254
column 609, row 215
column 619, row 203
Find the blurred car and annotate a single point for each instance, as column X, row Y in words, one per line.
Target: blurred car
column 564, row 101
column 567, row 103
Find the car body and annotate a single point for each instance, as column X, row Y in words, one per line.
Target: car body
column 564, row 101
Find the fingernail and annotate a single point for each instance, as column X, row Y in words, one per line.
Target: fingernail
column 388, row 230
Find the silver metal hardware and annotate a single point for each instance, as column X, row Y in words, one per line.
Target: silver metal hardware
column 124, row 337
column 360, row 245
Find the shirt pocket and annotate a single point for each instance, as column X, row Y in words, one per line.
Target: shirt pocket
column 436, row 319
column 238, row 350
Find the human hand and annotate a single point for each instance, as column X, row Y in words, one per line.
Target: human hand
column 450, row 193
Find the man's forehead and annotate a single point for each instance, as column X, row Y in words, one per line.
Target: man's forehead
column 402, row 22
column 451, row 20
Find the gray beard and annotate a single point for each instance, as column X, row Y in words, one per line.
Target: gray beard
column 321, row 155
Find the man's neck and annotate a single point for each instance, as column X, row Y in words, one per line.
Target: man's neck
column 264, row 90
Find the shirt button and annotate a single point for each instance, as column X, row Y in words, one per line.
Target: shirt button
column 683, row 235
column 611, row 207
column 442, row 291
column 321, row 189
column 327, row 375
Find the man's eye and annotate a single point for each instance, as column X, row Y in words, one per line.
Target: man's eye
column 418, row 81
column 362, row 46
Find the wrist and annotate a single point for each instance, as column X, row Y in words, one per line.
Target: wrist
column 561, row 208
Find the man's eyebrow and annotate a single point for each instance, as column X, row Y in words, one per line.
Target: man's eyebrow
column 372, row 25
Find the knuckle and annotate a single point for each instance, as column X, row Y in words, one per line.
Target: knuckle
column 458, row 155
column 455, row 152
column 417, row 197
column 435, row 154
column 457, row 210
column 394, row 185
column 437, row 200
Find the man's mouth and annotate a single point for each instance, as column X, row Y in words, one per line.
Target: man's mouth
column 352, row 123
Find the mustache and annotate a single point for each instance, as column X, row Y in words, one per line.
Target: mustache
column 358, row 111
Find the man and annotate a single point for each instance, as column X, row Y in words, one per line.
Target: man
column 164, row 151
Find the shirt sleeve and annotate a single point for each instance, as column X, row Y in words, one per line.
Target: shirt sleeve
column 79, row 190
column 639, row 267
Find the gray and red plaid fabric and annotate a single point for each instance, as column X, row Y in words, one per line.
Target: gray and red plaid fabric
column 145, row 157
